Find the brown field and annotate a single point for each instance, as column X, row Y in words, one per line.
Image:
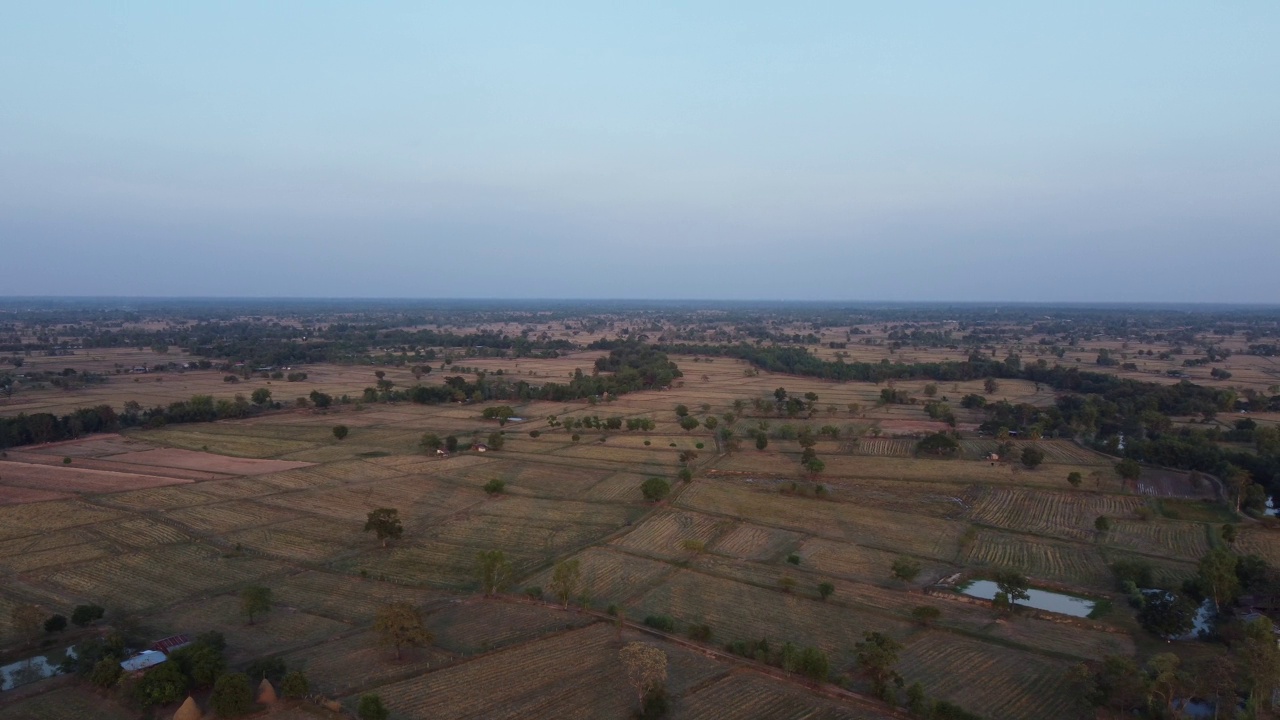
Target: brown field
column 165, row 527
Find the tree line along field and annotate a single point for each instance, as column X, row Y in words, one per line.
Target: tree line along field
column 277, row 500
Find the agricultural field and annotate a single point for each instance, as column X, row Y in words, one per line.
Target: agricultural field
column 164, row 527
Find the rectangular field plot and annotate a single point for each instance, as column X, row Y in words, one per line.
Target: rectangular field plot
column 280, row 629
column 164, row 498
column 69, row 702
column 659, row 458
column 71, row 479
column 575, row 674
column 223, row 443
column 152, row 578
column 225, row 517
column 32, row 518
column 208, row 462
column 309, row 539
column 885, row 447
column 346, row 598
column 752, row 542
column 139, row 532
column 1084, row 643
column 748, row 696
column 737, row 611
column 610, row 576
column 483, row 625
column 1061, row 514
column 1264, row 543
column 664, row 534
column 536, row 478
column 618, row 487
column 859, row 563
column 415, row 498
column 989, row 680
column 341, row 665
column 55, row 548
column 1037, row 558
column 911, row 534
column 1171, row 539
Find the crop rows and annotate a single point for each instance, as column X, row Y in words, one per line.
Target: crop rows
column 1182, row 541
column 571, row 675
column 1068, row 453
column 743, row 696
column 886, row 447
column 305, row 539
column 1068, row 515
column 280, row 629
column 155, row 577
column 345, row 597
column 736, row 611
column 989, row 680
column 1038, row 558
column 228, row 516
column 483, row 626
column 163, row 498
column 664, row 534
column 139, row 532
column 752, row 542
column 21, row 520
column 488, row 532
column 341, row 665
column 848, row 560
column 608, row 575
column 1262, row 543
column 898, row 532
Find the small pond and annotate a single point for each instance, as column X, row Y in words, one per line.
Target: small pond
column 1040, row 599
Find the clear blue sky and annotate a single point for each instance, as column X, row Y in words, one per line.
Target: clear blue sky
column 1110, row 151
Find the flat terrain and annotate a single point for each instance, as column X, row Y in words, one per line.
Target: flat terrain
column 164, row 527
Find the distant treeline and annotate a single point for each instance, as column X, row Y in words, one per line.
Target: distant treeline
column 1119, row 415
column 632, row 367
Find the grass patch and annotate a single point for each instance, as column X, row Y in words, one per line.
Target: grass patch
column 1195, row 510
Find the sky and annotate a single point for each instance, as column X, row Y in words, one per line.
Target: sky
column 1037, row 152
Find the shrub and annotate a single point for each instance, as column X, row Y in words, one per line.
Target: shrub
column 371, row 708
column 534, row 592
column 794, row 559
column 232, row 695
column 825, row 589
column 925, row 614
column 701, row 633
column 495, row 486
column 85, row 614
column 661, row 622
column 55, row 623
column 295, row 685
column 655, row 489
column 272, row 669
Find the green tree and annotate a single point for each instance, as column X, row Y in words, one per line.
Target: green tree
column 86, row 614
column 261, row 396
column 925, row 614
column 646, row 669
column 497, row 441
column 990, row 386
column 682, row 411
column 1129, row 469
column 451, row 443
column 813, row 664
column 1217, row 575
column 371, row 708
column 939, row 444
column 106, row 672
column 689, row 423
column 495, row 487
column 1013, row 584
column 1102, row 524
column 493, row 571
column 565, row 580
column 876, row 657
column 232, row 695
column 905, row 569
column 1259, row 658
column 655, row 489
column 1032, row 456
column 430, row 442
column 1229, row 533
column 160, row 685
column 399, row 625
column 1075, row 479
column 762, row 441
column 255, row 600
column 1167, row 614
column 340, row 431
column 825, row 589
column 295, row 685
column 385, row 523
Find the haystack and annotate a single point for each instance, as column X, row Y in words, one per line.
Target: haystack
column 266, row 693
column 189, row 710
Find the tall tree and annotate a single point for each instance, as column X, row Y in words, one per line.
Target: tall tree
column 876, row 656
column 385, row 523
column 399, row 625
column 646, row 668
column 565, row 579
column 493, row 571
column 255, row 600
column 1217, row 574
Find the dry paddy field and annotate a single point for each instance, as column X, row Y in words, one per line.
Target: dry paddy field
column 165, row 527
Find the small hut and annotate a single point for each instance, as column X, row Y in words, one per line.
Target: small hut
column 189, row 710
column 266, row 693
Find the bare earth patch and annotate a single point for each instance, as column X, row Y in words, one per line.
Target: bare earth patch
column 208, row 462
column 64, row 479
